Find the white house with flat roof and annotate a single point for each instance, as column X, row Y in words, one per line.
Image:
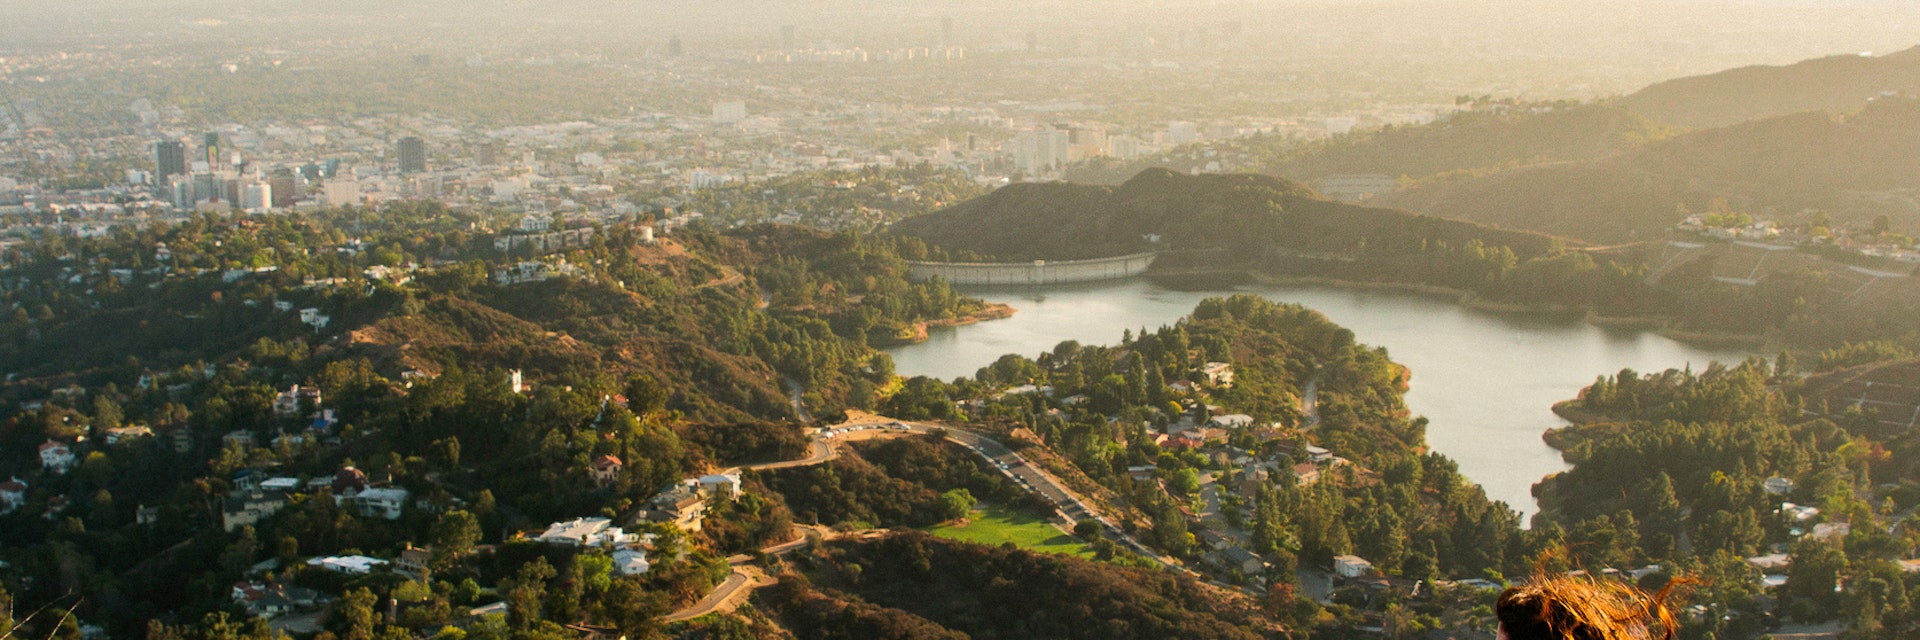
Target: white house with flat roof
column 1351, row 566
column 586, row 532
column 347, row 564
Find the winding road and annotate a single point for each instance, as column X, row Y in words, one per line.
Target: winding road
column 1069, row 508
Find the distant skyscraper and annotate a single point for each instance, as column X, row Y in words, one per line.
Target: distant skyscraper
column 946, row 32
column 413, row 155
column 169, row 159
column 180, row 192
column 673, row 47
column 256, row 196
column 786, row 37
column 1040, row 149
column 213, row 149
column 283, row 185
column 1181, row 132
column 205, row 187
column 484, row 154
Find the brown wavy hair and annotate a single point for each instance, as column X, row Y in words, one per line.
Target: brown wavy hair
column 1558, row 607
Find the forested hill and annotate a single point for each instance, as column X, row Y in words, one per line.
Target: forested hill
column 1242, row 213
column 1773, row 168
column 1476, row 140
column 1488, row 137
column 1836, row 84
column 718, row 319
column 1758, row 468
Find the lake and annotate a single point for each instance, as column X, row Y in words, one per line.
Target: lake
column 1485, row 381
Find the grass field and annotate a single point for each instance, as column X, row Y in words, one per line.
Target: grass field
column 994, row 525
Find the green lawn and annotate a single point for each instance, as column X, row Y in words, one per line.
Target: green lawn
column 994, row 525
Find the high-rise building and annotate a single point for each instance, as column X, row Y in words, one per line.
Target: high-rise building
column 283, row 185
column 212, row 149
column 413, row 155
column 169, row 159
column 729, row 112
column 256, row 196
column 485, row 154
column 205, row 187
column 1180, row 132
column 180, row 192
column 786, row 37
column 342, row 192
column 1041, row 149
column 230, row 188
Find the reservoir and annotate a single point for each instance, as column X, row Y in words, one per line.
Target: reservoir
column 1485, row 381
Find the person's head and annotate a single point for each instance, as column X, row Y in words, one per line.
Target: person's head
column 1567, row 608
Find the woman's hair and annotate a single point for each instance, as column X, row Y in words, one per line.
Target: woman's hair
column 1555, row 607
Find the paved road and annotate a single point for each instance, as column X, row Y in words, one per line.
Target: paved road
column 818, row 451
column 727, row 596
column 1069, row 508
column 745, row 577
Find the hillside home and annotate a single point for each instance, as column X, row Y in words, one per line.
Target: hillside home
column 347, row 564
column 287, row 403
column 414, row 561
column 244, row 509
column 56, row 456
column 631, row 562
column 385, row 503
column 605, row 469
column 273, row 600
column 241, row 439
column 1231, row 421
column 680, row 506
column 13, row 493
column 1306, row 473
column 1219, row 374
column 586, row 532
column 1242, row 560
column 117, row 435
column 1351, row 566
column 718, row 484
column 312, row 317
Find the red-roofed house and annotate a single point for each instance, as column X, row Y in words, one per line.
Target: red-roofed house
column 349, row 482
column 56, row 456
column 1307, row 473
column 13, row 493
column 606, row 468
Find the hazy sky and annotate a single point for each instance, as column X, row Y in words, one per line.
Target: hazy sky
column 1595, row 46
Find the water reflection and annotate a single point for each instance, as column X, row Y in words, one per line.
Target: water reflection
column 1484, row 380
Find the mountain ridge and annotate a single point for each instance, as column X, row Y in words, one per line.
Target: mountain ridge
column 1832, row 83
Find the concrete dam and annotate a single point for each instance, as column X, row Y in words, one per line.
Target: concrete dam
column 1038, row 272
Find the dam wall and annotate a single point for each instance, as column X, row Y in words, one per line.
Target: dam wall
column 1038, row 272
